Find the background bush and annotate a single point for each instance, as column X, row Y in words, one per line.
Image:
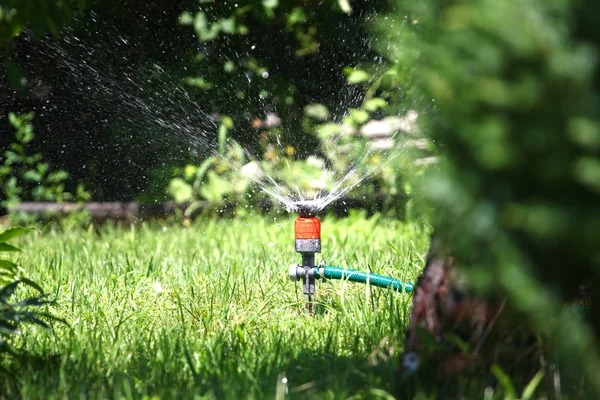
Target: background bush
column 515, row 91
column 25, row 176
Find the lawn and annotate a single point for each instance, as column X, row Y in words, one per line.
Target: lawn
column 208, row 311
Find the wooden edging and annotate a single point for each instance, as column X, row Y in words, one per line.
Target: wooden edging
column 132, row 211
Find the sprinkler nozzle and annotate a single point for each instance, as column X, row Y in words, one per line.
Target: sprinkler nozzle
column 297, row 272
column 306, row 208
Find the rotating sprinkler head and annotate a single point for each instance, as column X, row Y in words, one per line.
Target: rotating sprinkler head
column 306, row 208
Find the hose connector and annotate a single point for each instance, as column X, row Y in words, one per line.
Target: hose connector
column 296, row 272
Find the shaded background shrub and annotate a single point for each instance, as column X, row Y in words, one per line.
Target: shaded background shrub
column 517, row 118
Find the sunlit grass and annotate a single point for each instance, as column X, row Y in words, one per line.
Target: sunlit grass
column 209, row 311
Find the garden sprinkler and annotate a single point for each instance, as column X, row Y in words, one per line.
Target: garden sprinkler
column 307, row 233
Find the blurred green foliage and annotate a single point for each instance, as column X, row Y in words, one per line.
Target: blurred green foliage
column 24, row 176
column 217, row 179
column 16, row 15
column 512, row 93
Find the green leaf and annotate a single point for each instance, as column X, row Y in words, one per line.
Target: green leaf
column 327, row 130
column 8, row 267
column 189, row 172
column 82, row 194
column 509, row 389
column 270, row 4
column 584, row 132
column 296, row 16
column 381, row 394
column 58, row 176
column 180, row 190
column 227, row 121
column 33, row 284
column 375, row 104
column 358, row 76
column 457, row 341
column 389, row 80
column 345, row 6
column 186, row 18
column 532, row 385
column 200, row 24
column 228, row 66
column 13, row 232
column 14, row 120
column 8, row 247
column 191, row 209
column 317, row 111
column 228, row 25
column 42, row 168
column 587, row 171
column 199, row 82
column 8, row 291
column 359, row 116
column 216, row 188
column 32, row 176
column 396, row 250
column 203, row 168
column 204, row 32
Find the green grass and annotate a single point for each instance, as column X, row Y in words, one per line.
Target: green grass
column 208, row 311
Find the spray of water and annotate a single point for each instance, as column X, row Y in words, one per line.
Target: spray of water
column 293, row 197
column 148, row 97
column 294, row 193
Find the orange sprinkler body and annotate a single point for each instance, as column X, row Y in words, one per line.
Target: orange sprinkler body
column 307, row 232
column 307, row 228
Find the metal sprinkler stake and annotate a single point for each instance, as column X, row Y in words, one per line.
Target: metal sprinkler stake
column 307, row 232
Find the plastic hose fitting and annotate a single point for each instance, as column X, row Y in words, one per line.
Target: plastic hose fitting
column 297, row 272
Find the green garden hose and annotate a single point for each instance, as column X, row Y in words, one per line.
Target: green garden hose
column 382, row 281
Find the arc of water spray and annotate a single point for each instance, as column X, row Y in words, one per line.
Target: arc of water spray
column 289, row 200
